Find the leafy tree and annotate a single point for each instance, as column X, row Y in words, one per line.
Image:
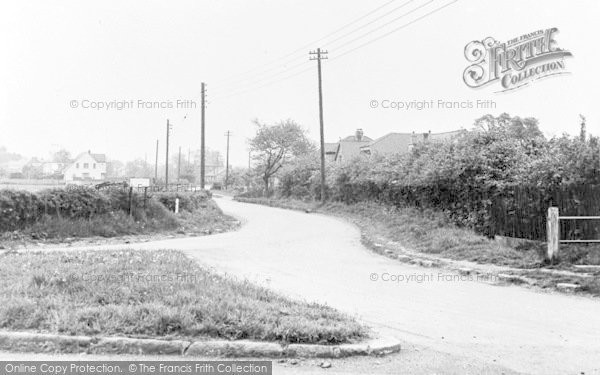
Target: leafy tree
column 138, row 168
column 275, row 145
column 115, row 168
column 514, row 127
column 62, row 156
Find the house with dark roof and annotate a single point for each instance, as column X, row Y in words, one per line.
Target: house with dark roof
column 86, row 166
column 402, row 143
column 349, row 147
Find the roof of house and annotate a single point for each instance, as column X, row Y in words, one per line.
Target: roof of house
column 331, row 148
column 391, row 142
column 400, row 142
column 352, row 138
column 446, row 135
column 350, row 149
column 99, row 158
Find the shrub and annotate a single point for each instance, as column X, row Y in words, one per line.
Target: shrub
column 188, row 201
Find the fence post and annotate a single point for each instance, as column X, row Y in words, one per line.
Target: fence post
column 176, row 205
column 553, row 233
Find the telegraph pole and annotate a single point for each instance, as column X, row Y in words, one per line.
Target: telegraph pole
column 167, row 157
column 156, row 164
column 202, row 150
column 227, row 134
column 320, row 55
column 179, row 165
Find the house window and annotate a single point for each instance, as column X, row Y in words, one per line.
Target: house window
column 86, row 165
column 94, row 165
column 77, row 165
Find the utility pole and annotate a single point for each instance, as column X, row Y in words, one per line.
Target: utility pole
column 227, row 134
column 156, row 164
column 167, row 157
column 320, row 55
column 202, row 149
column 179, row 165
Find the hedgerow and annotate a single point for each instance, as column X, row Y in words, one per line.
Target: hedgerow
column 497, row 179
column 18, row 209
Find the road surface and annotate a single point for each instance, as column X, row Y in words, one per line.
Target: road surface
column 319, row 258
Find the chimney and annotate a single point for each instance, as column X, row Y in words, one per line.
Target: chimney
column 359, row 134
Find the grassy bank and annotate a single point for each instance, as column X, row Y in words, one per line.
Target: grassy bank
column 153, row 294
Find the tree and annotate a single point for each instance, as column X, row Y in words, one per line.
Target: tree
column 115, row 168
column 138, row 168
column 62, row 156
column 512, row 127
column 582, row 133
column 275, row 145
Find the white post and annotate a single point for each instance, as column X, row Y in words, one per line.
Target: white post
column 553, row 233
column 176, row 205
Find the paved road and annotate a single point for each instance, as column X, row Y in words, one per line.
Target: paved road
column 320, row 258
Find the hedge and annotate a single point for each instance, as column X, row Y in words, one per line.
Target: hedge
column 21, row 208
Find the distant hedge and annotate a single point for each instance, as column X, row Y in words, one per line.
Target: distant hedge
column 21, row 208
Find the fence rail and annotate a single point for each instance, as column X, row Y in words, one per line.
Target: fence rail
column 554, row 233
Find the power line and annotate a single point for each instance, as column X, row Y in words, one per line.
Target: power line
column 258, row 79
column 268, row 83
column 395, row 30
column 250, row 89
column 371, row 22
column 385, row 24
column 308, row 45
column 266, row 72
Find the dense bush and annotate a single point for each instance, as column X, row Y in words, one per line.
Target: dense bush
column 19, row 209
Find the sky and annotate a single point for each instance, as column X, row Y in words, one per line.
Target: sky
column 145, row 62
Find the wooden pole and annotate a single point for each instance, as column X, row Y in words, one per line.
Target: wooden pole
column 321, row 55
column 130, row 201
column 202, row 143
column 167, row 158
column 553, row 233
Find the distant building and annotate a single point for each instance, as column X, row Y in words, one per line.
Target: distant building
column 349, row 147
column 402, row 143
column 331, row 150
column 87, row 166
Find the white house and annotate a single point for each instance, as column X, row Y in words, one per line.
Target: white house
column 87, row 166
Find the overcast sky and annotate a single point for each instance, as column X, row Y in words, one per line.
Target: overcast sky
column 58, row 53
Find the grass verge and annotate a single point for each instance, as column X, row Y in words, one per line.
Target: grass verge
column 158, row 294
